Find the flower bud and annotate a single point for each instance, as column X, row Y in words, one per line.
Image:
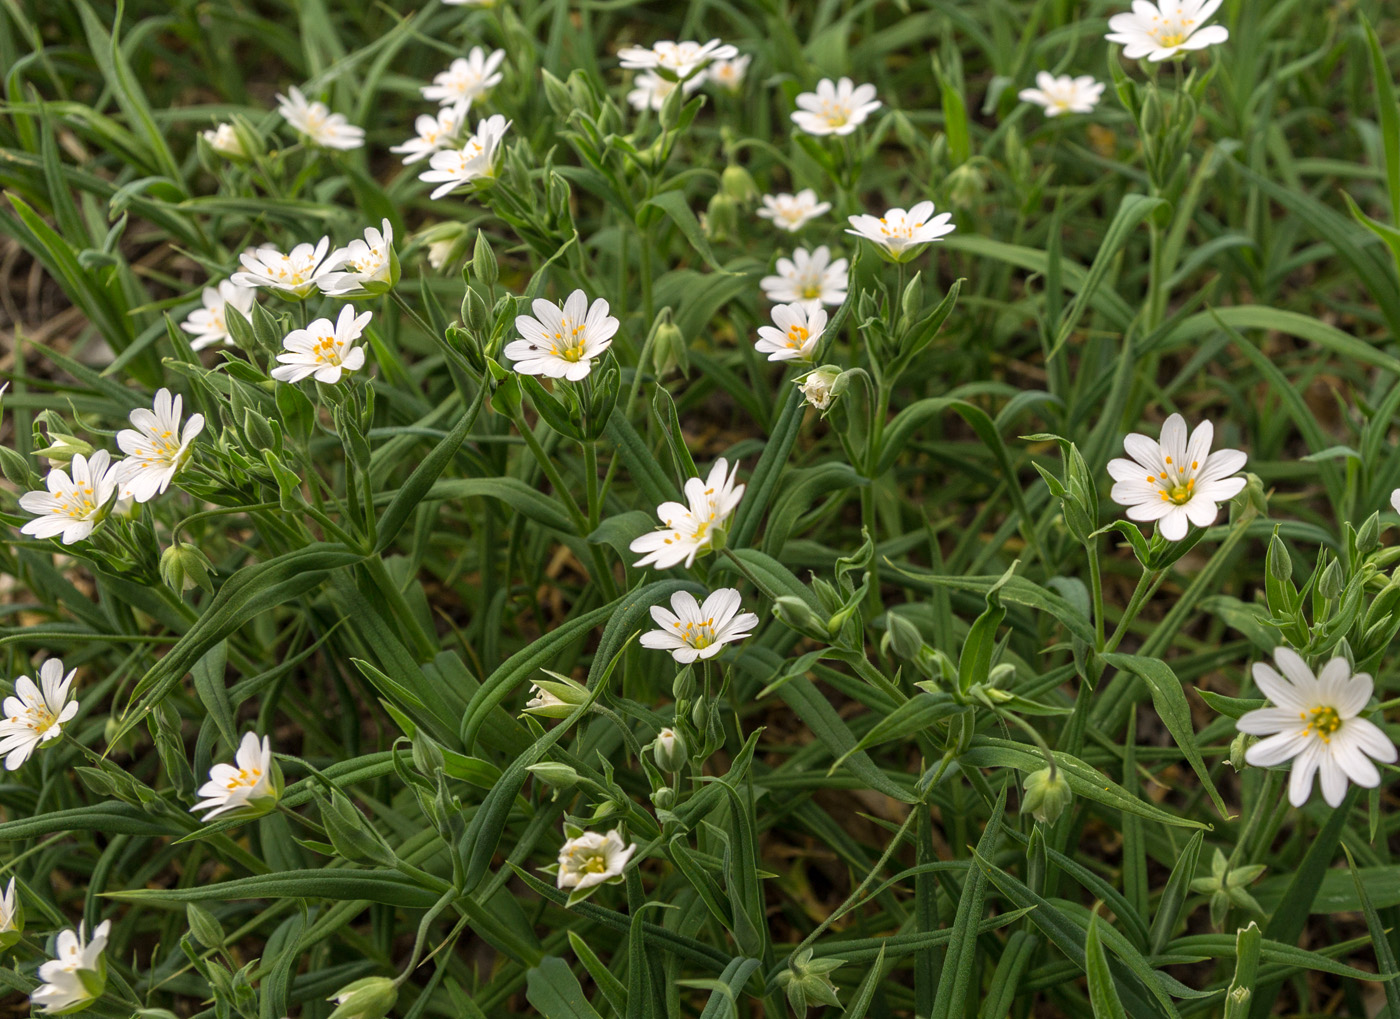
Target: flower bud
column 669, row 349
column 229, row 142
column 11, row 917
column 722, row 218
column 555, row 697
column 736, row 182
column 556, row 93
column 183, row 566
column 699, row 714
column 370, row 998
column 1238, row 746
column 484, row 266
column 63, row 448
column 1369, row 536
column 669, row 750
column 663, row 798
column 1047, row 795
column 796, row 613
column 902, row 637
column 1330, row 584
column 965, row 185
column 557, row 776
column 683, row 688
column 16, row 469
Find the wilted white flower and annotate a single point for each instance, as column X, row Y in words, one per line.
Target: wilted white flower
column 562, row 342
column 1064, row 94
column 251, row 785
column 899, row 232
column 729, row 74
column 689, row 528
column 36, row 714
column 364, row 267
column 793, row 212
column 680, row 59
column 542, row 702
column 317, row 123
column 207, row 325
column 323, row 349
column 10, row 913
column 434, row 132
column 592, row 859
column 835, row 108
column 475, row 160
column 155, row 446
column 650, row 90
column 294, row 275
column 467, row 79
column 810, row 279
column 1316, row 725
column 78, row 973
column 1176, row 480
column 74, row 506
column 819, row 387
column 794, row 335
column 694, row 630
column 225, row 141
column 1165, row 28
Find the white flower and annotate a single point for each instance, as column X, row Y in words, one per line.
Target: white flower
column 1064, row 94
column 362, row 268
column 592, row 859
column 155, row 447
column 793, row 212
column 9, row 909
column 250, row 785
column 470, row 3
column 1395, row 500
column 898, row 231
column 77, row 974
column 1163, row 29
column 1315, row 725
column 452, row 168
column 1176, row 480
column 545, row 703
column 74, row 506
column 729, row 74
column 207, row 325
column 323, row 349
column 561, row 343
column 794, row 335
column 837, row 108
column 811, row 279
column 680, row 59
column 434, row 132
column 694, row 630
column 225, row 141
column 293, row 275
column 650, row 89
column 36, row 714
column 819, row 388
column 467, row 79
column 689, row 528
column 319, row 125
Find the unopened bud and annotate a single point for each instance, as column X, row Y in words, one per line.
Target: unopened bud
column 902, row 637
column 669, row 349
column 796, row 613
column 663, row 798
column 555, row 775
column 721, row 218
column 736, row 182
column 1047, row 795
column 183, row 566
column 484, row 266
column 370, row 998
column 965, row 185
column 1330, row 584
column 1369, row 536
column 669, row 750
column 63, row 448
column 1238, row 746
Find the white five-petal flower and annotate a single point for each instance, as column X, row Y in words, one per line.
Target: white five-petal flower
column 650, row 90
column 155, row 446
column 77, row 974
column 249, row 784
column 36, row 714
column 361, row 267
column 794, row 334
column 317, row 123
column 809, row 278
column 434, row 132
column 1178, row 480
column 1064, row 94
column 835, row 107
column 898, row 231
column 819, row 388
column 678, row 59
column 793, row 212
column 1316, row 725
column 207, row 325
column 72, row 506
column 691, row 630
column 467, row 79
column 592, row 859
column 323, row 349
column 729, row 74
column 1165, row 28
column 293, row 275
column 562, row 342
column 224, row 140
column 475, row 160
column 689, row 528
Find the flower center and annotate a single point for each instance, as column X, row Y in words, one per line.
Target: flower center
column 698, row 635
column 245, row 779
column 327, row 351
column 812, row 291
column 1165, row 38
column 1177, row 490
column 77, row 502
column 568, row 341
column 797, row 336
column 37, row 717
column 1322, row 720
column 595, row 863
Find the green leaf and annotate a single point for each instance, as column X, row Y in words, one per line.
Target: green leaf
column 677, row 207
column 1103, row 996
column 960, row 961
column 552, row 988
